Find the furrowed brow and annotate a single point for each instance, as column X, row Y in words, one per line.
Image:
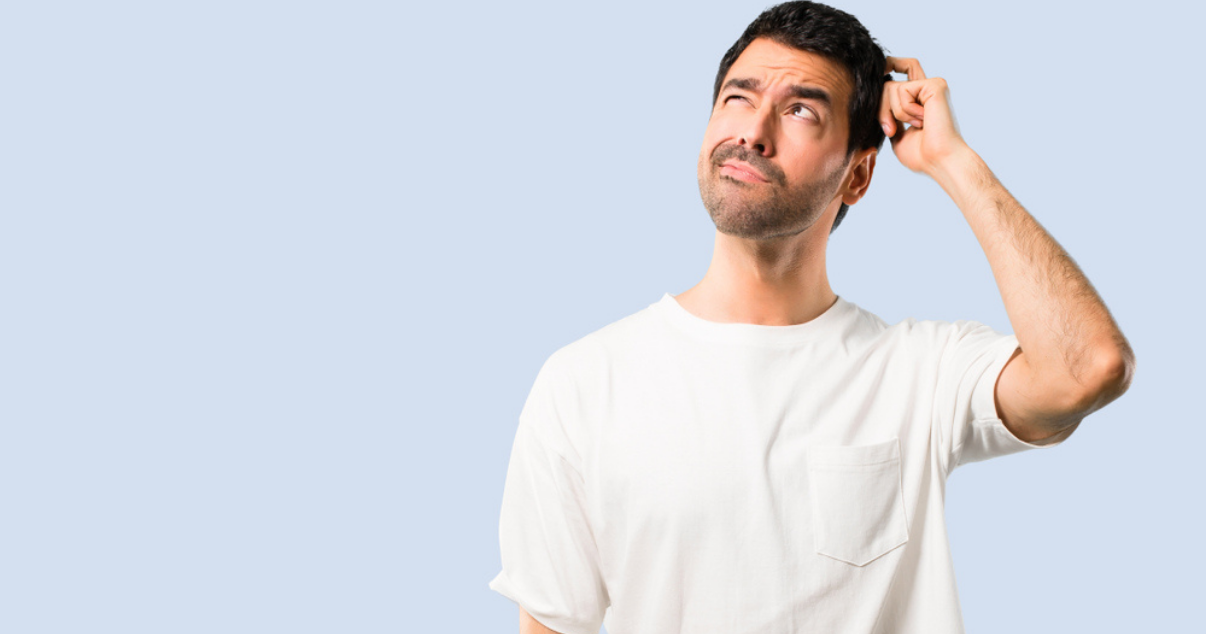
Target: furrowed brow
column 744, row 83
column 813, row 93
column 799, row 92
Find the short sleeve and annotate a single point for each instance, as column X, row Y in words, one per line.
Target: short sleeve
column 550, row 563
column 965, row 409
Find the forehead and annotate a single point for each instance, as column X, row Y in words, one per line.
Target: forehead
column 774, row 63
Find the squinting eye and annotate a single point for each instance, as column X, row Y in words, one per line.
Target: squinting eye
column 726, row 99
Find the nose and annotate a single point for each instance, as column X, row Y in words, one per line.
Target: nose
column 758, row 133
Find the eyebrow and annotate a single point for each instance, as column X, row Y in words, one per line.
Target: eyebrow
column 799, row 92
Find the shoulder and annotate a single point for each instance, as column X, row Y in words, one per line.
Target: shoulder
column 929, row 340
column 875, row 332
column 938, row 332
column 602, row 347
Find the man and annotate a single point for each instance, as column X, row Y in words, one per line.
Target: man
column 758, row 454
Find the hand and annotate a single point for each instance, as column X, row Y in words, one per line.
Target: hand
column 925, row 105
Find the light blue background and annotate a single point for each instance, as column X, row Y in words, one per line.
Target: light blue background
column 278, row 276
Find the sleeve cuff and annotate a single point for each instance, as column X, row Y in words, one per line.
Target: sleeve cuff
column 502, row 585
column 984, row 405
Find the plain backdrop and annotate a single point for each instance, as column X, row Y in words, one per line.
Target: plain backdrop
column 278, row 276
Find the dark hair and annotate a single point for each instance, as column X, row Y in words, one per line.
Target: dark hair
column 839, row 37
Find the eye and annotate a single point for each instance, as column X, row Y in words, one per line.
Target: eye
column 726, row 99
column 800, row 106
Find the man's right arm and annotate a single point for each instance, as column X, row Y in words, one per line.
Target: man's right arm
column 529, row 625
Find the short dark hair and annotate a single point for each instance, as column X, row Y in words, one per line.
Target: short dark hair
column 838, row 36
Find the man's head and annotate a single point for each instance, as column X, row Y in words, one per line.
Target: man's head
column 796, row 98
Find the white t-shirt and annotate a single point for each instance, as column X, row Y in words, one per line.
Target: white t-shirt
column 672, row 474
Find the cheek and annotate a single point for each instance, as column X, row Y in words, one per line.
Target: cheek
column 717, row 134
column 808, row 152
column 722, row 126
column 710, row 135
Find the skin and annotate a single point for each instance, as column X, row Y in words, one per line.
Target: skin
column 529, row 625
column 768, row 262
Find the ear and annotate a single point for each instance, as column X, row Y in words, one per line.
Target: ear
column 860, row 176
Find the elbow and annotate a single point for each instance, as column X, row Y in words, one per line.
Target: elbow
column 1112, row 381
column 1120, row 371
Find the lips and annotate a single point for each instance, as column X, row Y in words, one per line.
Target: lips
column 741, row 169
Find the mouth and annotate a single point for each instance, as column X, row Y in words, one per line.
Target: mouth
column 741, row 171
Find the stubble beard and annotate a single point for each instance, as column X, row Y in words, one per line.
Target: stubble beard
column 760, row 211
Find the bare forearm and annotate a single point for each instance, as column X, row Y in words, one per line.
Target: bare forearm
column 1061, row 323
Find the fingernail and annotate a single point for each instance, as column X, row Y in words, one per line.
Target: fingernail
column 886, row 130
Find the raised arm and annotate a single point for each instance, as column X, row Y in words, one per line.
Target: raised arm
column 1074, row 359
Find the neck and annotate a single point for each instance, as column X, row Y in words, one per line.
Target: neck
column 778, row 282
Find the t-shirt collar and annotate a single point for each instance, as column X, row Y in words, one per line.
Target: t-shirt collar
column 827, row 323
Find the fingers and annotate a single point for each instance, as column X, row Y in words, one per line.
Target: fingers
column 898, row 106
column 899, row 103
column 907, row 65
column 892, row 106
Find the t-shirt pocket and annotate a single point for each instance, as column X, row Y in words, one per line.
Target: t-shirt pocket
column 858, row 510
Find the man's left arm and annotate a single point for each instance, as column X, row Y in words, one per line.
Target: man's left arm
column 1074, row 359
